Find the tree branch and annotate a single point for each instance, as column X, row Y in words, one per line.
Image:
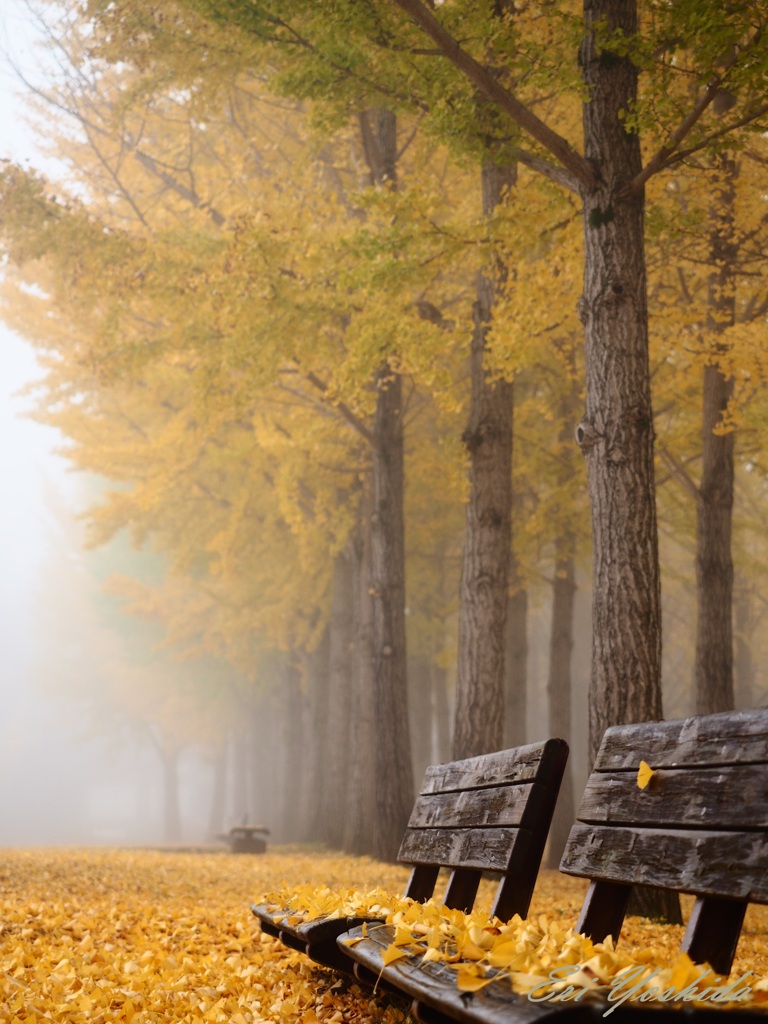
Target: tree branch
column 578, row 167
column 663, row 157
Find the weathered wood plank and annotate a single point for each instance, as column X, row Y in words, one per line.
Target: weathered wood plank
column 520, row 764
column 735, row 797
column 434, row 985
column 484, row 849
column 730, row 864
column 732, row 737
column 500, row 805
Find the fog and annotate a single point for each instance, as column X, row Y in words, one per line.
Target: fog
column 59, row 785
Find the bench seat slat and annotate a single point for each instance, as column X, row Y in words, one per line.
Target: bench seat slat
column 739, row 737
column 712, row 798
column 499, row 806
column 421, row 981
column 701, row 862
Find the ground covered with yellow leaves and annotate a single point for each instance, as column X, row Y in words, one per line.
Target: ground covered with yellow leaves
column 154, row 936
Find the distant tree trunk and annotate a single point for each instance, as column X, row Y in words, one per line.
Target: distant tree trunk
column 393, row 771
column 559, row 686
column 714, row 506
column 420, row 714
column 318, row 683
column 219, row 790
column 479, row 719
column 441, row 713
column 360, row 818
column 241, row 766
column 516, row 667
column 171, row 808
column 337, row 715
column 292, row 752
column 744, row 663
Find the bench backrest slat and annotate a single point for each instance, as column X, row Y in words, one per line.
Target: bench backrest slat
column 706, row 798
column 733, row 737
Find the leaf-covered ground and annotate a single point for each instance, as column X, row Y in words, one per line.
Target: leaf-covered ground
column 149, row 936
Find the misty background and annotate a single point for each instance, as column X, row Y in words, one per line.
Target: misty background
column 60, row 780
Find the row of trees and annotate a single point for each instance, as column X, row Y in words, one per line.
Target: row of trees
column 316, row 260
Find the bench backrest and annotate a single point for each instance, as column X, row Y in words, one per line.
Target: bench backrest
column 700, row 825
column 485, row 814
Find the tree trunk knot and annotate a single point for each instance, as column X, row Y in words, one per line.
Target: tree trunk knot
column 490, row 517
column 586, row 435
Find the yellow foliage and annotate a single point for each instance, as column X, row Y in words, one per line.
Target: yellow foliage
column 150, row 937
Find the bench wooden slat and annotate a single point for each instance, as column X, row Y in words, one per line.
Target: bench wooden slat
column 697, row 797
column 732, row 737
column 497, row 806
column 483, row 849
column 699, row 862
column 505, row 767
column 421, row 981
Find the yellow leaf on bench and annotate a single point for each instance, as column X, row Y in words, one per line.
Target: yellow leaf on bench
column 469, row 980
column 644, row 774
column 392, row 953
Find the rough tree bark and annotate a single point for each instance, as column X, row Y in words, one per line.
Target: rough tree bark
column 616, row 434
column 479, row 716
column 714, row 505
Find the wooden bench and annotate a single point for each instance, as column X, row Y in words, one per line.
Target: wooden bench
column 246, row 839
column 483, row 814
column 700, row 826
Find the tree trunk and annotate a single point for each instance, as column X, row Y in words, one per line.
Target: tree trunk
column 714, row 507
column 616, row 435
column 360, row 823
column 441, row 713
column 393, row 769
column 316, row 668
column 559, row 686
column 394, row 773
column 335, row 769
column 744, row 664
column 516, row 668
column 479, row 717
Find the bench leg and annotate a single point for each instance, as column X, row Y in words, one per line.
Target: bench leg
column 422, row 882
column 461, row 889
column 604, row 909
column 713, row 932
